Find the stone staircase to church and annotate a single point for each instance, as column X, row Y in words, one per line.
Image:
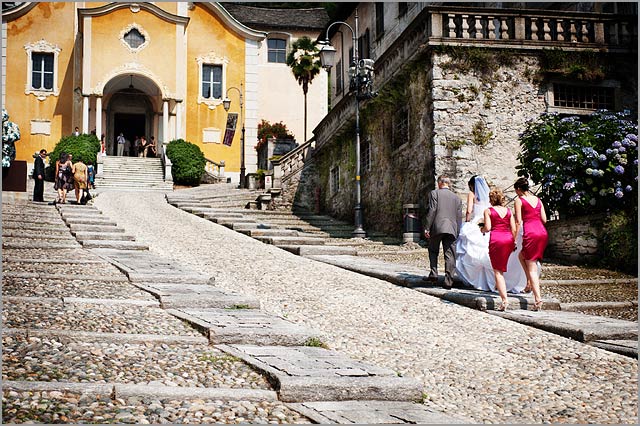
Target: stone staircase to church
column 133, row 174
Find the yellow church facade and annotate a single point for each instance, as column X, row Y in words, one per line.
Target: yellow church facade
column 158, row 69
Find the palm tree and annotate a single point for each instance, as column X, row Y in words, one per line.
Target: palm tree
column 304, row 61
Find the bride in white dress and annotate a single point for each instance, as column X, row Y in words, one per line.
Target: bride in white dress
column 473, row 265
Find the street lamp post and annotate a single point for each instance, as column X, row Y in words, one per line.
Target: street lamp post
column 360, row 73
column 226, row 103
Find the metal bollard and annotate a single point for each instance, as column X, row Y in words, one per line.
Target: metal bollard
column 411, row 223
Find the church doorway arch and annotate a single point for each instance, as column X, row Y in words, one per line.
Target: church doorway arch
column 131, row 110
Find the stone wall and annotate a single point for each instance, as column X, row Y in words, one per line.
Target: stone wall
column 576, row 239
column 464, row 119
column 478, row 117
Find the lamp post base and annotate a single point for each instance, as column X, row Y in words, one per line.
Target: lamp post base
column 242, row 178
column 359, row 231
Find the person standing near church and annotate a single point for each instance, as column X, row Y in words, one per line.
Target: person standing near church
column 121, row 141
column 38, row 176
column 442, row 227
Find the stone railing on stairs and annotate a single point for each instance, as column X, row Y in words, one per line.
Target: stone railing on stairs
column 166, row 163
column 287, row 174
column 214, row 171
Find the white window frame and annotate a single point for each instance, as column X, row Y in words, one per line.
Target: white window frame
column 286, row 48
column 141, row 30
column 212, row 58
column 41, row 46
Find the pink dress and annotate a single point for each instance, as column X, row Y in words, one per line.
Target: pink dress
column 534, row 236
column 501, row 242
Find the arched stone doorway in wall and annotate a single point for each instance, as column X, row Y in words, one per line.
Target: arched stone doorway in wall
column 131, row 109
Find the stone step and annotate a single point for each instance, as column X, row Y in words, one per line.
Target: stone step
column 15, row 222
column 576, row 326
column 373, row 412
column 305, row 373
column 191, row 296
column 114, row 244
column 90, row 221
column 111, row 236
column 289, row 241
column 269, row 232
column 309, row 250
column 40, row 245
column 246, row 326
column 94, row 228
column 231, row 220
column 623, row 347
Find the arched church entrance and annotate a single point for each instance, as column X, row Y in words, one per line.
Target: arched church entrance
column 131, row 110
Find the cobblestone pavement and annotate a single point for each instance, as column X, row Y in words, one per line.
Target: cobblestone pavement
column 72, row 319
column 471, row 363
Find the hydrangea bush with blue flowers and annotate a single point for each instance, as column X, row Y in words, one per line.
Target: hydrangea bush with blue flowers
column 10, row 135
column 583, row 166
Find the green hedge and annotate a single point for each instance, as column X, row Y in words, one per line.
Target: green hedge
column 85, row 147
column 188, row 162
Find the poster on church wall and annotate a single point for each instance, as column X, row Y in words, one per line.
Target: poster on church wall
column 230, row 131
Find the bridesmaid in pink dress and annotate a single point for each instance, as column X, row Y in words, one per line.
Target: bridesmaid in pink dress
column 530, row 214
column 502, row 242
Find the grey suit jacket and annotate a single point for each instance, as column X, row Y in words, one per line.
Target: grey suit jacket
column 445, row 213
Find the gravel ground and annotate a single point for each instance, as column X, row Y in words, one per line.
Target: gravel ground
column 471, row 363
column 37, row 287
column 67, row 407
column 39, row 253
column 93, row 317
column 192, row 365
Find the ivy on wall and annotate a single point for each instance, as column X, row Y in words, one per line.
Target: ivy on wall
column 483, row 61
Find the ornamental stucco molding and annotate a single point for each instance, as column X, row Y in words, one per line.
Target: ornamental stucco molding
column 137, row 69
column 141, row 30
column 212, row 58
column 42, row 46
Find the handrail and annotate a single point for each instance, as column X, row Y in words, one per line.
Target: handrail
column 293, row 161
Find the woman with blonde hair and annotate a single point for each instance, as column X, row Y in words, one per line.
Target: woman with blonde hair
column 499, row 221
column 80, row 179
column 531, row 216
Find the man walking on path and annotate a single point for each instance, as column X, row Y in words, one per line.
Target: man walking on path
column 121, row 141
column 38, row 176
column 442, row 225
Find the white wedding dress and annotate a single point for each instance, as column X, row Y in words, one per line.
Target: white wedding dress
column 473, row 265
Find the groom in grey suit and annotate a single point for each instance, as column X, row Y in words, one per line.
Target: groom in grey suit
column 442, row 226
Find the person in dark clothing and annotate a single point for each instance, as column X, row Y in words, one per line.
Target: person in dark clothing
column 38, row 176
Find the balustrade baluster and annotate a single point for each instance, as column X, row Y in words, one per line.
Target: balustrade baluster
column 572, row 32
column 478, row 26
column 546, row 29
column 491, row 27
column 465, row 26
column 559, row 30
column 504, row 29
column 452, row 25
column 585, row 32
column 598, row 30
column 534, row 29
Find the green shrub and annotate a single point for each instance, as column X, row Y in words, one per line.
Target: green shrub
column 83, row 147
column 188, row 162
column 620, row 241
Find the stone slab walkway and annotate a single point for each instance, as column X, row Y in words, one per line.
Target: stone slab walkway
column 464, row 358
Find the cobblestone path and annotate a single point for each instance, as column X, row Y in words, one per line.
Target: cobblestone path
column 471, row 363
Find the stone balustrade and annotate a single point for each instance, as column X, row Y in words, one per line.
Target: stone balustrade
column 214, row 168
column 530, row 28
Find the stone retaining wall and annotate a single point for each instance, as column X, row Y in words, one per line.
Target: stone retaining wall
column 576, row 239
